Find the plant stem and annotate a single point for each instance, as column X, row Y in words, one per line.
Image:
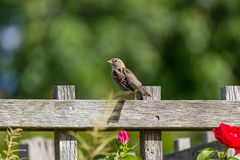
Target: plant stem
column 9, row 147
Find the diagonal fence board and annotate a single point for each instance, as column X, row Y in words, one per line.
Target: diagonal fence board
column 132, row 114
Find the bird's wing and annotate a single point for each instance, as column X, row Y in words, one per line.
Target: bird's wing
column 132, row 79
column 121, row 80
column 135, row 83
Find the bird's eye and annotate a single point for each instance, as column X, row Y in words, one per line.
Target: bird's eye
column 115, row 60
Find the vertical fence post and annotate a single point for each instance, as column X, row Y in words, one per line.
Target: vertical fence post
column 230, row 93
column 181, row 144
column 151, row 139
column 208, row 137
column 65, row 143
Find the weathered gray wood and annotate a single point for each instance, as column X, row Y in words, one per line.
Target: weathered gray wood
column 135, row 114
column 65, row 143
column 181, row 144
column 24, row 151
column 66, row 92
column 230, row 93
column 151, row 144
column 150, row 139
column 191, row 154
column 208, row 137
column 37, row 148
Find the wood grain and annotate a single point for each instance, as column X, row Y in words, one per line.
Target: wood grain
column 134, row 114
column 151, row 139
column 64, row 140
column 230, row 93
column 227, row 93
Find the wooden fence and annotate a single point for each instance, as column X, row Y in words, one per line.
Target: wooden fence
column 150, row 116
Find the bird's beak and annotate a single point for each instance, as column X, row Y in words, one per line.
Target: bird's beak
column 109, row 61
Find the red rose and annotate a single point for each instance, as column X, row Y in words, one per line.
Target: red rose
column 228, row 136
column 123, row 137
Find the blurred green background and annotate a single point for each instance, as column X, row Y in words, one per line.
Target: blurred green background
column 189, row 47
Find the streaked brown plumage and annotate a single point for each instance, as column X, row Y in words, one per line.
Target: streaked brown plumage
column 124, row 78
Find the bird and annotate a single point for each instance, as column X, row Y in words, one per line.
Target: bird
column 125, row 79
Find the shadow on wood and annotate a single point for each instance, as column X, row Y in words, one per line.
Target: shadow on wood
column 115, row 115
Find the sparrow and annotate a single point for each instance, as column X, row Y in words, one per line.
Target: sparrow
column 125, row 79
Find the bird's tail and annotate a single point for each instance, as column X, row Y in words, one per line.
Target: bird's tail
column 143, row 91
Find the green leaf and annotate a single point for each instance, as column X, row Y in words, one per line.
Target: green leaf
column 206, row 154
column 131, row 157
column 208, row 149
column 14, row 157
column 233, row 158
column 221, row 154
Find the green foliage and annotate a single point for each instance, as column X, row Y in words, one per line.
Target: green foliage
column 11, row 152
column 131, row 157
column 212, row 153
column 122, row 153
column 94, row 144
column 206, row 154
column 185, row 46
column 127, row 157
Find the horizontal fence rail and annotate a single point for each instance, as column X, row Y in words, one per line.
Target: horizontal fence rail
column 148, row 115
column 131, row 114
